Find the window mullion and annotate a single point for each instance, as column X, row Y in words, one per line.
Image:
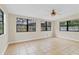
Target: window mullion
column 67, row 25
column 46, row 25
column 3, row 21
column 27, row 25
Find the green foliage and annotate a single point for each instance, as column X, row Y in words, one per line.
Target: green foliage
column 70, row 23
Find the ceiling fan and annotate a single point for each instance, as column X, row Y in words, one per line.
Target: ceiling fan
column 53, row 12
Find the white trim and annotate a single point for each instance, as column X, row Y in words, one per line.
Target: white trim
column 5, row 49
column 77, row 40
column 13, row 42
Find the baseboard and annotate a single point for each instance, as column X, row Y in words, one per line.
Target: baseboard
column 5, row 49
column 19, row 41
column 76, row 40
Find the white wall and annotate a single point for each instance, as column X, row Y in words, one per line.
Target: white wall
column 13, row 36
column 4, row 37
column 26, row 36
column 65, row 34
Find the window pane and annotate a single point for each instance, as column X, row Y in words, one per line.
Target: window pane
column 1, row 22
column 1, row 12
column 73, row 25
column 21, row 21
column 0, row 18
column 21, row 25
column 31, row 25
column 63, row 26
column 49, row 24
column 43, row 28
column 32, row 28
column 48, row 28
column 1, row 28
column 21, row 28
column 43, row 24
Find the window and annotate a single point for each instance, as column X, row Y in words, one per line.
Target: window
column 46, row 26
column 25, row 25
column 72, row 25
column 1, row 22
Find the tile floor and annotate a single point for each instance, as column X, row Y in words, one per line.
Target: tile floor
column 50, row 46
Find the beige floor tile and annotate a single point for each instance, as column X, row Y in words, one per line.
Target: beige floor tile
column 50, row 46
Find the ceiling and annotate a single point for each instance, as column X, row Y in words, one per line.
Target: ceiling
column 42, row 10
